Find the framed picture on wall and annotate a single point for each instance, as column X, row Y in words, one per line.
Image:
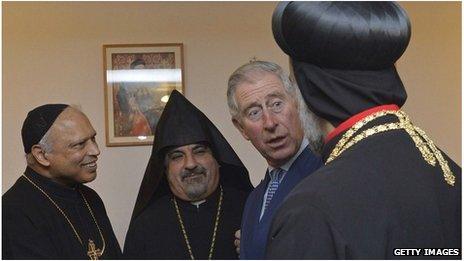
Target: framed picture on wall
column 138, row 79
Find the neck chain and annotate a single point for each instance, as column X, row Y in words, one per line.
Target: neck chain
column 424, row 144
column 92, row 252
column 213, row 239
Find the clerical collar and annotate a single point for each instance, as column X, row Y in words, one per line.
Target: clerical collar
column 209, row 202
column 289, row 163
column 52, row 187
column 358, row 117
column 198, row 203
column 331, row 141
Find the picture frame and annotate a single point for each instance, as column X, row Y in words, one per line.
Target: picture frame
column 138, row 79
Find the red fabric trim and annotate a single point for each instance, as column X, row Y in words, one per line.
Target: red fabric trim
column 352, row 120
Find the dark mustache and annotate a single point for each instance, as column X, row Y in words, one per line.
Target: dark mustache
column 198, row 170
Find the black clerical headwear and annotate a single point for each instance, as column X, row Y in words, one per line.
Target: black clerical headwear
column 343, row 53
column 181, row 123
column 38, row 122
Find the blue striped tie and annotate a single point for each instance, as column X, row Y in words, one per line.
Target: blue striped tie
column 276, row 176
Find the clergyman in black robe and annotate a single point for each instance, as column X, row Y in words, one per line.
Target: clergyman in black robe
column 165, row 225
column 385, row 185
column 48, row 213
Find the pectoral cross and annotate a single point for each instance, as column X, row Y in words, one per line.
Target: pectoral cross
column 93, row 253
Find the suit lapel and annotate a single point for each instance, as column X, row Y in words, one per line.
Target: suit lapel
column 251, row 225
column 295, row 174
column 258, row 201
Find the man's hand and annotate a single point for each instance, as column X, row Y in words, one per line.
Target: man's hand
column 237, row 241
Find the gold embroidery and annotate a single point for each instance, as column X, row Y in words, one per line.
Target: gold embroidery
column 424, row 144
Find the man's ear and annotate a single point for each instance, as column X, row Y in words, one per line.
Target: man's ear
column 39, row 155
column 239, row 126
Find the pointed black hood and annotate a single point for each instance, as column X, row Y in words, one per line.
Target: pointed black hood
column 181, row 123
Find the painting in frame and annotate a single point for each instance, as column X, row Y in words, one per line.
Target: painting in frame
column 138, row 79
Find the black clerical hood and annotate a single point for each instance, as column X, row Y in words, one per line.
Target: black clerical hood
column 181, row 123
column 343, row 53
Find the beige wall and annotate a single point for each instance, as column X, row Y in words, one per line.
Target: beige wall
column 52, row 53
column 431, row 72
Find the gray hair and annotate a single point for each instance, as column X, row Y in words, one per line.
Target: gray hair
column 45, row 143
column 243, row 75
column 310, row 123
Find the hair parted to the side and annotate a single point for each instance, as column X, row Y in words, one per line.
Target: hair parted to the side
column 243, row 73
column 309, row 121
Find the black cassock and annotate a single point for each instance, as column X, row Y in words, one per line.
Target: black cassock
column 33, row 228
column 376, row 196
column 154, row 231
column 380, row 193
column 157, row 234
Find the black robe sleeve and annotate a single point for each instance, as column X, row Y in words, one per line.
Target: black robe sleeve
column 22, row 238
column 303, row 231
column 133, row 246
column 34, row 229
